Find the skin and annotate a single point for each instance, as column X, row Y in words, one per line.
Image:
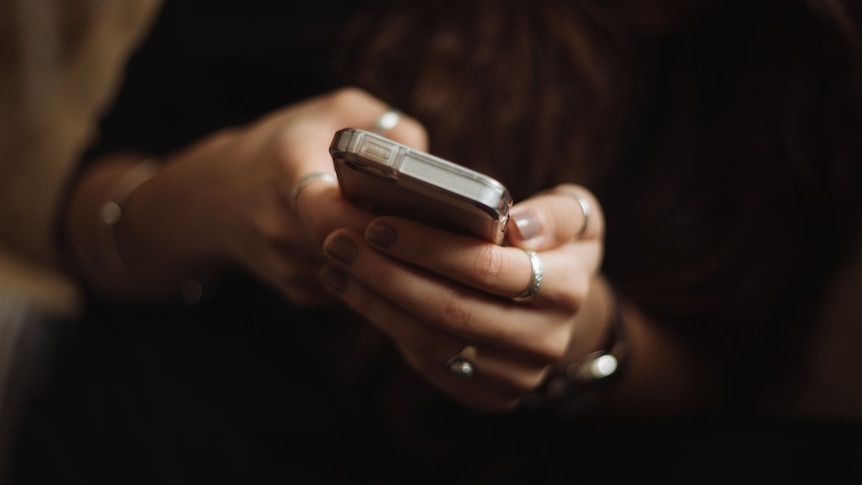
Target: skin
column 225, row 202
column 435, row 302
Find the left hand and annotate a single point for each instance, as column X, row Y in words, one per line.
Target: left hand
column 433, row 303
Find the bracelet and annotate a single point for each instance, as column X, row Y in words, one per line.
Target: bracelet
column 579, row 386
column 111, row 212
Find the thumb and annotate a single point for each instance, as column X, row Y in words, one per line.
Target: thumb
column 554, row 217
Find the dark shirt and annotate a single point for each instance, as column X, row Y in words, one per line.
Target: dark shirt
column 242, row 387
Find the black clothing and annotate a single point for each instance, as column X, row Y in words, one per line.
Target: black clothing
column 242, row 387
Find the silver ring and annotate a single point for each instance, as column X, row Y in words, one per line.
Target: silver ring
column 387, row 121
column 306, row 180
column 462, row 365
column 538, row 274
column 586, row 209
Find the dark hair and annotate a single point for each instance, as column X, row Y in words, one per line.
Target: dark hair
column 500, row 85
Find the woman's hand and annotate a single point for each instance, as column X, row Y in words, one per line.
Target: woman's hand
column 229, row 200
column 436, row 293
column 246, row 181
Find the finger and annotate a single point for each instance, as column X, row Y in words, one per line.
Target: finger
column 500, row 371
column 389, row 317
column 314, row 122
column 482, row 392
column 319, row 120
column 503, row 271
column 452, row 307
column 551, row 218
column 321, row 209
column 353, row 107
column 503, row 376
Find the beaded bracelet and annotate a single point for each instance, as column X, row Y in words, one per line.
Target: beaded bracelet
column 111, row 212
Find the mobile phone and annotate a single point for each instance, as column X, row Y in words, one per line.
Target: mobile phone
column 389, row 178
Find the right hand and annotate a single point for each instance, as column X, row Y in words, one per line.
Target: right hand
column 464, row 294
column 239, row 183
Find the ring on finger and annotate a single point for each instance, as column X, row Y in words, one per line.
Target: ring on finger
column 387, row 121
column 463, row 364
column 537, row 274
column 586, row 209
column 308, row 179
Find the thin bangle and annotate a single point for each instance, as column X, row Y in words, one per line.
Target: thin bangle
column 582, row 382
column 601, row 366
column 111, row 212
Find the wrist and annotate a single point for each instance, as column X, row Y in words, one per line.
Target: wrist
column 164, row 254
column 111, row 214
column 585, row 379
column 598, row 361
column 113, row 245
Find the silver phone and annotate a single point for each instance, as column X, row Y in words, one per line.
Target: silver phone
column 389, row 178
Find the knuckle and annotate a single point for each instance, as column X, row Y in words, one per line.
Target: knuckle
column 272, row 230
column 576, row 285
column 316, row 228
column 554, row 345
column 381, row 279
column 313, row 224
column 558, row 344
column 454, row 312
column 346, row 96
column 489, row 263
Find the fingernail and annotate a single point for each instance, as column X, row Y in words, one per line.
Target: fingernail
column 381, row 234
column 333, row 279
column 342, row 249
column 526, row 223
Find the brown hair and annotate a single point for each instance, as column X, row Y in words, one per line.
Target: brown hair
column 497, row 82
